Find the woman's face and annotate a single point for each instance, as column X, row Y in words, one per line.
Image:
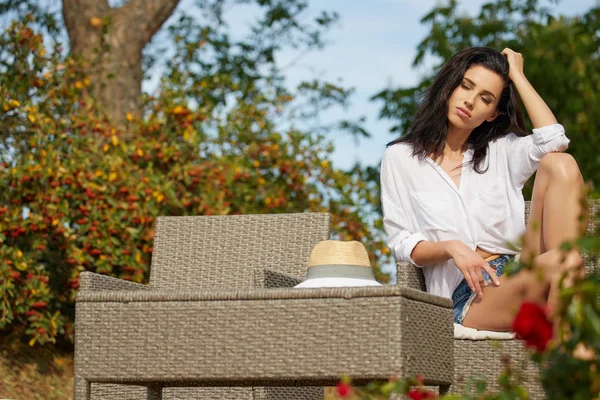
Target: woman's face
column 475, row 99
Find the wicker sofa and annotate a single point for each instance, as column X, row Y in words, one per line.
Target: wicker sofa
column 191, row 254
column 219, row 320
column 469, row 355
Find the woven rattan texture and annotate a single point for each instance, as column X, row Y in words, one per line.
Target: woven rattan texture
column 261, row 294
column 220, row 252
column 212, row 252
column 121, row 392
column 482, row 359
column 97, row 282
column 282, row 393
column 268, row 278
column 106, row 392
column 421, row 353
column 111, row 392
column 108, row 288
column 296, row 340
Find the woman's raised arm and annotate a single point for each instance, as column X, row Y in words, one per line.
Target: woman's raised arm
column 537, row 109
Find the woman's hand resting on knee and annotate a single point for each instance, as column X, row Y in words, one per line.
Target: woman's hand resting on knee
column 471, row 264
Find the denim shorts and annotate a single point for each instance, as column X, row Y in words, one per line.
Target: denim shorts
column 463, row 296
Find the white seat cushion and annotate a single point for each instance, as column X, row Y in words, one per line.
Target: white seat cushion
column 336, row 282
column 462, row 332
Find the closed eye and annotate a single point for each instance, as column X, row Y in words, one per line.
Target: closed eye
column 468, row 84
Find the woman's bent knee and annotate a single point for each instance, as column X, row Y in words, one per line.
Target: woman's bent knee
column 556, row 263
column 560, row 166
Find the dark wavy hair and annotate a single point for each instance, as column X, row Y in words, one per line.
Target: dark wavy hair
column 429, row 127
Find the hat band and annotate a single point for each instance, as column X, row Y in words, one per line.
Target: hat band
column 340, row 271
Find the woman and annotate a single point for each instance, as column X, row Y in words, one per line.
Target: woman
column 452, row 191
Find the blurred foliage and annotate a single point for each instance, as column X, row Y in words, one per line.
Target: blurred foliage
column 561, row 61
column 78, row 192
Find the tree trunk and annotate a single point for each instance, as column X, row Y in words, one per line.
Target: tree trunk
column 111, row 41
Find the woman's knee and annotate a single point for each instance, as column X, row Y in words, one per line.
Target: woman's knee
column 531, row 285
column 557, row 263
column 560, row 166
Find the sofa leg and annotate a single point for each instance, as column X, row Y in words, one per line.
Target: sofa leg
column 154, row 393
column 83, row 389
column 444, row 389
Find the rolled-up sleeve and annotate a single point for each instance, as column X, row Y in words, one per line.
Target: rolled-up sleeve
column 400, row 238
column 524, row 153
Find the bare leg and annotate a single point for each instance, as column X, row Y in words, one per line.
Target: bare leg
column 496, row 310
column 562, row 216
column 556, row 213
column 555, row 217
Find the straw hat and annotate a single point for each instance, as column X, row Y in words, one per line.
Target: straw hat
column 337, row 252
column 335, row 263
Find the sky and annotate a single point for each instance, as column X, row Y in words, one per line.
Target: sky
column 372, row 47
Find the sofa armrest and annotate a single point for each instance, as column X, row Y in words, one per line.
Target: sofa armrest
column 90, row 281
column 268, row 279
column 346, row 293
column 408, row 275
column 244, row 337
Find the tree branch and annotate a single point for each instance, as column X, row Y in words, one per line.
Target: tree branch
column 149, row 15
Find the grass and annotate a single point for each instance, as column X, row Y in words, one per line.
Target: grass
column 34, row 373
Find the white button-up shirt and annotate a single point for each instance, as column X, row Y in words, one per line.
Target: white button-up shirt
column 421, row 202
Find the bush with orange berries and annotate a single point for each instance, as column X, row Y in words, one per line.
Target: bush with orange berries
column 78, row 192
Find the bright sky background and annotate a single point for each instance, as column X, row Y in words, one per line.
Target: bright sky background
column 372, row 47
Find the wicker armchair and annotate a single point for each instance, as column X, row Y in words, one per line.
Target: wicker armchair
column 468, row 355
column 192, row 254
column 219, row 315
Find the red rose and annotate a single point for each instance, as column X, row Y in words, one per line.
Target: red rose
column 343, row 389
column 418, row 393
column 532, row 325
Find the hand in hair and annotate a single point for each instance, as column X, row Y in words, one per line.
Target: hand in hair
column 515, row 63
column 538, row 111
column 471, row 264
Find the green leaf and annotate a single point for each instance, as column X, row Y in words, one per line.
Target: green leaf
column 592, row 318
